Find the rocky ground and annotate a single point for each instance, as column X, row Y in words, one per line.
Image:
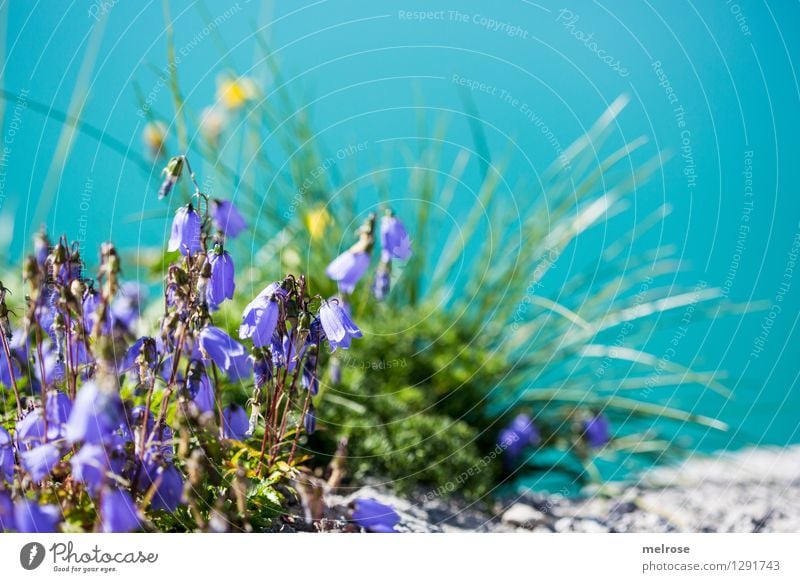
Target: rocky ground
column 756, row 490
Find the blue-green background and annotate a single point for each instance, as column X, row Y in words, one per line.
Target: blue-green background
column 367, row 70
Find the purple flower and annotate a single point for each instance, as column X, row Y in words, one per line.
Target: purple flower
column 223, row 350
column 6, row 457
column 95, row 415
column 518, row 435
column 310, row 420
column 185, row 231
column 226, row 218
column 6, row 511
column 375, row 516
column 118, row 513
column 383, row 278
column 59, row 407
column 30, row 517
column 222, row 282
column 40, row 461
column 347, row 269
column 168, row 483
column 260, row 317
column 338, row 327
column 597, row 430
column 235, row 422
column 89, row 466
column 145, row 350
column 5, row 375
column 171, row 174
column 126, row 308
column 395, row 242
column 30, row 430
column 201, row 391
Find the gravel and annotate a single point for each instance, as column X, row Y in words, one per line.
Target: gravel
column 754, row 490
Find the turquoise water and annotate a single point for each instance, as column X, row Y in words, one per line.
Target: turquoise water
column 712, row 83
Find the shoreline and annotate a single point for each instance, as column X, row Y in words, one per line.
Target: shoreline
column 751, row 490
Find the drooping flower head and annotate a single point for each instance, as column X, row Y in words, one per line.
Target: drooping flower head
column 185, row 235
column 226, row 218
column 222, row 281
column 518, row 435
column 95, row 415
column 225, row 352
column 347, row 269
column 310, row 420
column 118, row 513
column 260, row 317
column 89, row 466
column 6, row 456
column 338, row 327
column 395, row 242
column 375, row 516
column 40, row 461
column 30, row 517
column 597, row 430
column 171, row 174
column 235, row 422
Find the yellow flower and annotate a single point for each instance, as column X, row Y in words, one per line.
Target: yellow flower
column 153, row 136
column 235, row 93
column 317, row 222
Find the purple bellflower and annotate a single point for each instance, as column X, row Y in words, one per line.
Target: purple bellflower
column 226, row 218
column 224, row 351
column 89, row 466
column 6, row 456
column 597, row 431
column 395, row 242
column 118, row 512
column 261, row 315
column 235, row 422
column 518, row 435
column 185, row 235
column 338, row 327
column 201, row 391
column 222, row 281
column 6, row 511
column 30, row 430
column 30, row 517
column 95, row 415
column 348, row 268
column 40, row 461
column 310, row 420
column 375, row 516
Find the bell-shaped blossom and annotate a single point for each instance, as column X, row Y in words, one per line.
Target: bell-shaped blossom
column 222, row 281
column 40, row 461
column 348, row 268
column 118, row 513
column 6, row 456
column 223, row 350
column 226, row 218
column 201, row 391
column 234, row 422
column 5, row 373
column 30, row 431
column 59, row 407
column 383, row 279
column 310, row 420
column 185, row 235
column 6, row 511
column 168, row 484
column 338, row 327
column 260, row 317
column 127, row 307
column 597, row 430
column 95, row 415
column 395, row 242
column 30, row 517
column 518, row 435
column 89, row 466
column 375, row 516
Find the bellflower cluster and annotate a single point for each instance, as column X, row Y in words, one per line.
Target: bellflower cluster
column 130, row 429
